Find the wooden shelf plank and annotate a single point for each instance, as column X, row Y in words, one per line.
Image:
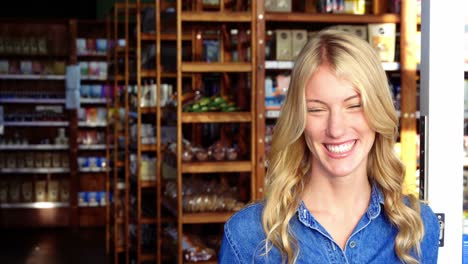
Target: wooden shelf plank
column 148, row 184
column 216, row 166
column 217, row 117
column 149, row 147
column 148, row 73
column 164, row 36
column 148, row 110
column 148, row 220
column 331, row 18
column 216, row 16
column 206, row 218
column 148, row 257
column 216, row 67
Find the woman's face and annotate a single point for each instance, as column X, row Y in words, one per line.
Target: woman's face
column 337, row 132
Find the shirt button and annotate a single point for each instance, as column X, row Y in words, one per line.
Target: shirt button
column 352, row 244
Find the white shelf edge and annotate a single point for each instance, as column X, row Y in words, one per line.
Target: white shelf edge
column 32, row 100
column 31, row 77
column 87, row 124
column 35, row 170
column 288, row 65
column 93, row 100
column 34, row 147
column 93, row 78
column 36, row 123
column 35, row 205
column 92, row 169
column 92, row 147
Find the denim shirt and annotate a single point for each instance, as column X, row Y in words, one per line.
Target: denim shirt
column 372, row 240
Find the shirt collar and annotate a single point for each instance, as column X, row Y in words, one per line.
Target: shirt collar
column 373, row 210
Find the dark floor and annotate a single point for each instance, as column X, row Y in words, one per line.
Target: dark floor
column 52, row 246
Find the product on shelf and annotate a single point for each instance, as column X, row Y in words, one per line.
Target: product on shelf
column 194, row 250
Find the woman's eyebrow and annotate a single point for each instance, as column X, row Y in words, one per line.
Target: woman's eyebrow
column 321, row 102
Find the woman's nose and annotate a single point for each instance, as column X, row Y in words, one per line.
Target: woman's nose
column 336, row 124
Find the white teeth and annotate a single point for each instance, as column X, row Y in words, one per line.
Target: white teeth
column 340, row 148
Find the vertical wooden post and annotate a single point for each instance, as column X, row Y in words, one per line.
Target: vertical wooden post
column 408, row 66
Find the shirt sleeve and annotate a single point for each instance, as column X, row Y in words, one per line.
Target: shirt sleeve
column 227, row 254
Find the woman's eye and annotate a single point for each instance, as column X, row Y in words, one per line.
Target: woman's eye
column 355, row 106
column 314, row 110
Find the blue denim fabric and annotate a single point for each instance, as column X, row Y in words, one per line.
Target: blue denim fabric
column 372, row 240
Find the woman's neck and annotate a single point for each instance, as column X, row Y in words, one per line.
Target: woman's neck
column 335, row 194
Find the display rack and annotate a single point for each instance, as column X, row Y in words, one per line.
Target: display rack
column 118, row 241
column 93, row 155
column 145, row 136
column 38, row 165
column 215, row 144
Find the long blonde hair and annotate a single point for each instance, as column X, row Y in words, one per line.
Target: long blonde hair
column 356, row 61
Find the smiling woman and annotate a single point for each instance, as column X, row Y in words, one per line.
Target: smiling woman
column 334, row 183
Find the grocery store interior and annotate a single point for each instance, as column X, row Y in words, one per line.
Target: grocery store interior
column 130, row 131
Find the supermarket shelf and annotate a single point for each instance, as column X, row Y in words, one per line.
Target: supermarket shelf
column 148, row 184
column 35, row 205
column 216, row 117
column 216, row 16
column 101, row 55
column 149, row 147
column 36, row 123
column 149, row 220
column 206, row 218
column 88, row 124
column 32, row 100
column 93, row 78
column 92, row 147
column 35, row 170
column 272, row 113
column 34, row 147
column 216, row 67
column 93, row 100
column 288, row 65
column 331, row 18
column 216, row 166
column 31, row 77
column 92, row 170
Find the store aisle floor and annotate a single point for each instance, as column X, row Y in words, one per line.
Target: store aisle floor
column 52, row 246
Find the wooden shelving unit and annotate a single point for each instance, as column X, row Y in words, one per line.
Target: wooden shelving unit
column 118, row 183
column 146, row 188
column 232, row 75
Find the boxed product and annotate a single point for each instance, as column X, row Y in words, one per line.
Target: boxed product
column 283, row 45
column 82, row 199
column 53, row 191
column 382, row 37
column 3, row 191
column 299, row 39
column 92, row 199
column 64, row 191
column 41, row 191
column 27, row 191
column 278, row 5
column 14, row 191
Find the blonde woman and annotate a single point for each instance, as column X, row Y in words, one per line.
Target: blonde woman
column 335, row 191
